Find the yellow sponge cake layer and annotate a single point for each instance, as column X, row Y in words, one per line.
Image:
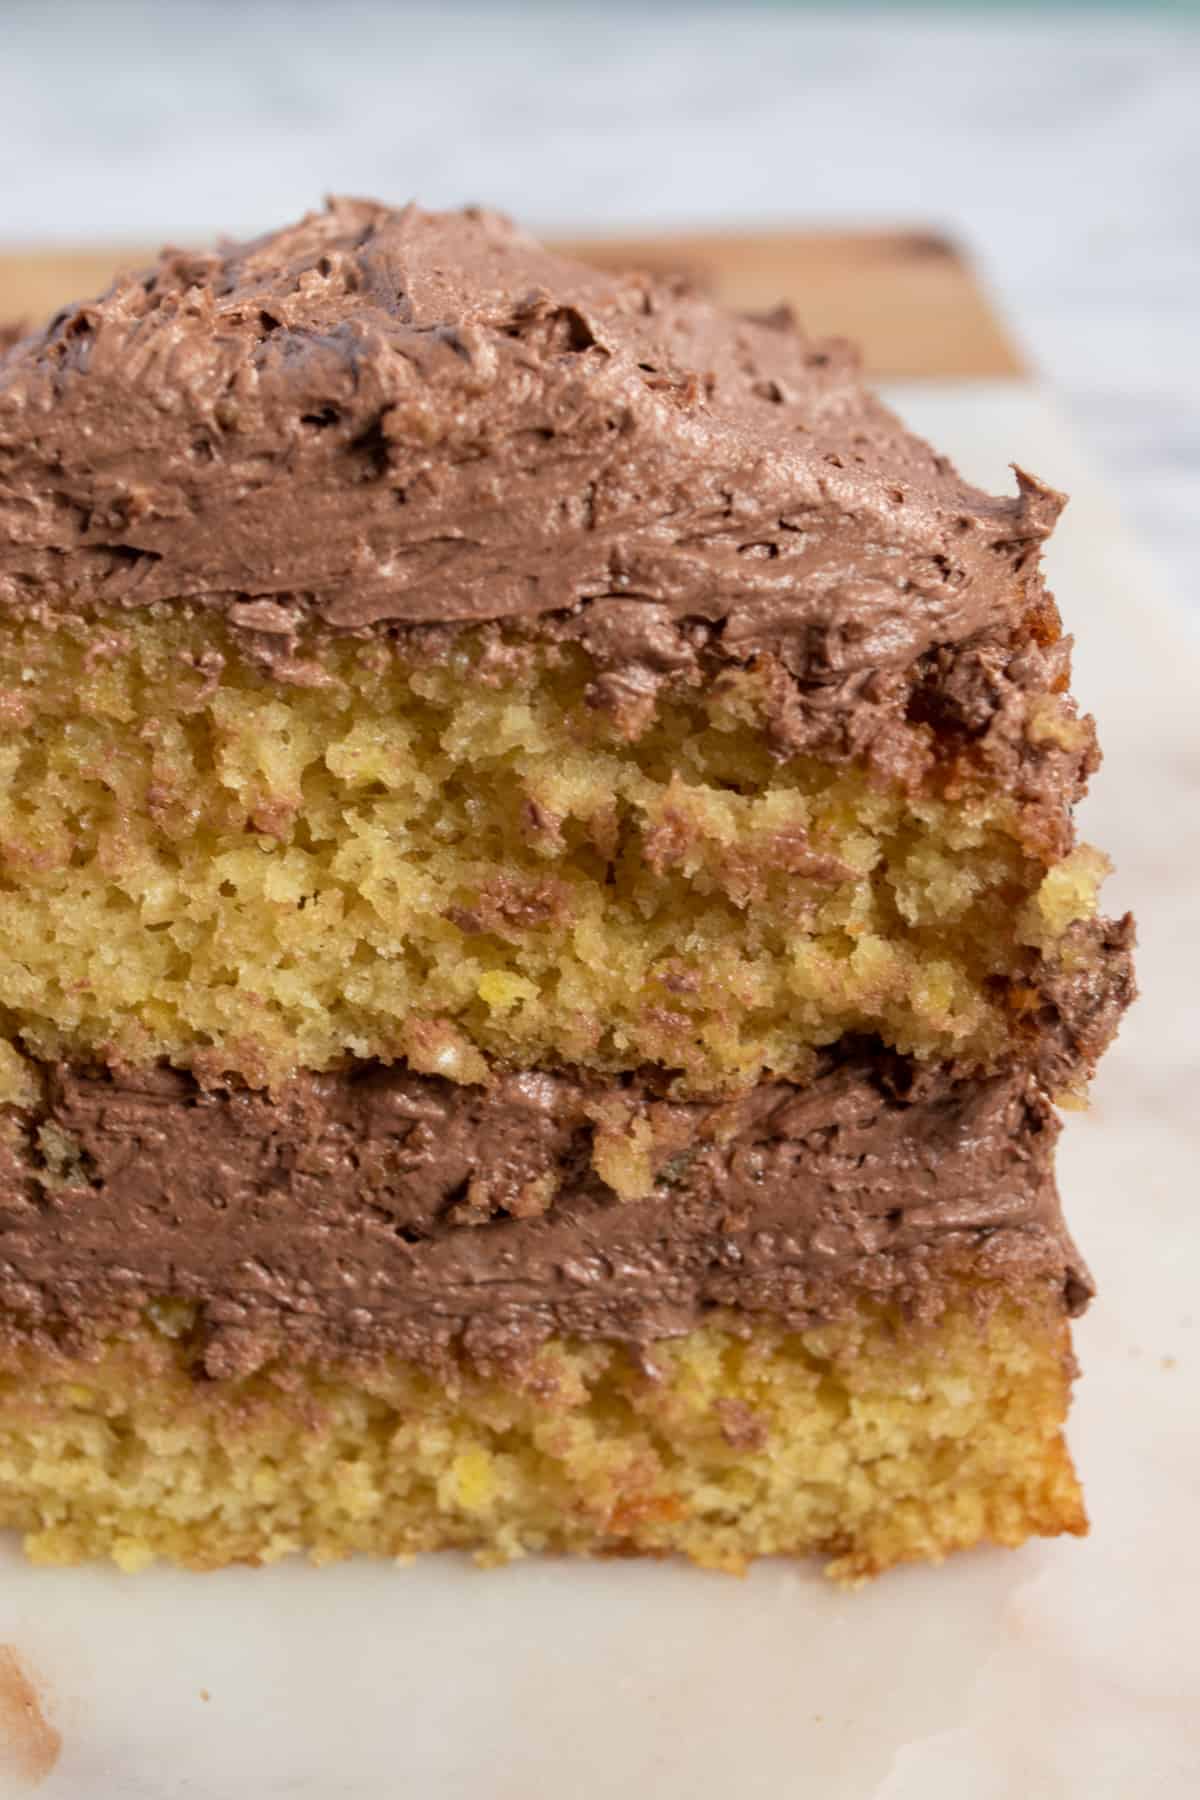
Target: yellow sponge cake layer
column 201, row 863
column 859, row 1441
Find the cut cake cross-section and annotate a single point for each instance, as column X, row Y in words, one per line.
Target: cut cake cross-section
column 541, row 930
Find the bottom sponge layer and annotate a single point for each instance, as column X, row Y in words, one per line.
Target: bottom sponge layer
column 861, row 1441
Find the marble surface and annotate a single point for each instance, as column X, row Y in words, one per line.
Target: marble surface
column 1062, row 148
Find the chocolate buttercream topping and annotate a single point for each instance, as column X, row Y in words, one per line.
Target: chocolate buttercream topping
column 380, row 1210
column 407, row 423
column 379, row 416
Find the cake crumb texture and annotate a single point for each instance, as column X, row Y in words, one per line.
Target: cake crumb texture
column 863, row 1442
column 460, row 858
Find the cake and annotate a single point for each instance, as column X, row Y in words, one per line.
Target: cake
column 542, row 939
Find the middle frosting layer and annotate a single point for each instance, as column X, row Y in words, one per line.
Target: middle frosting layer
column 379, row 1210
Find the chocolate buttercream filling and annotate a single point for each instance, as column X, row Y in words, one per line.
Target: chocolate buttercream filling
column 378, row 1210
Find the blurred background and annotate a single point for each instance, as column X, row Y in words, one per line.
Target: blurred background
column 1060, row 143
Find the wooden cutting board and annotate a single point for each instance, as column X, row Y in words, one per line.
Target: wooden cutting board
column 910, row 299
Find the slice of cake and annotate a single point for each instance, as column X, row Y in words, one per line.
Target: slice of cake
column 541, row 933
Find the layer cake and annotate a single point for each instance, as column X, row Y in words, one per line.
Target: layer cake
column 541, row 931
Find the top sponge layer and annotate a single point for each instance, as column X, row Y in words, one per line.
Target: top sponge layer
column 381, row 416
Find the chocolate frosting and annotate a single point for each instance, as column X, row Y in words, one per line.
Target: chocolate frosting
column 405, row 422
column 406, row 416
column 380, row 1210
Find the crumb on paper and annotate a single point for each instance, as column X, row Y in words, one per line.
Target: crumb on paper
column 29, row 1744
